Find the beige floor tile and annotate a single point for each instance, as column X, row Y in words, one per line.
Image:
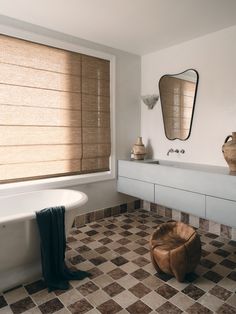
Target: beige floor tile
column 127, row 281
column 181, row 301
column 131, row 255
column 103, row 280
column 42, row 296
column 232, row 300
column 221, row 270
column 15, row 295
column 107, row 266
column 129, row 267
column 176, row 284
column 125, row 298
column 6, row 310
column 227, row 284
column 97, row 298
column 152, row 282
column 204, row 284
column 150, row 269
column 211, row 302
column 153, row 300
column 70, row 297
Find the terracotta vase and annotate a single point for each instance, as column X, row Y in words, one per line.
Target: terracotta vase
column 139, row 149
column 229, row 151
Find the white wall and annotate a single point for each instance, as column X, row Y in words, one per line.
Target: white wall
column 127, row 109
column 214, row 57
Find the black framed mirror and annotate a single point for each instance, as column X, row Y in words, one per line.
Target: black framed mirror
column 178, row 96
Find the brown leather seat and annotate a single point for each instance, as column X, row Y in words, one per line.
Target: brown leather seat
column 175, row 249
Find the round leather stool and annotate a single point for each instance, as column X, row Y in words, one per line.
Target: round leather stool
column 175, row 249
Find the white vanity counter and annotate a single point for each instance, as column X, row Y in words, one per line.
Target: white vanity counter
column 205, row 191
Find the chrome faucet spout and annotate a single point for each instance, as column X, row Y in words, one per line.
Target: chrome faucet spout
column 170, row 151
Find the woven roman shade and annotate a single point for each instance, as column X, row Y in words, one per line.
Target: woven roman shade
column 54, row 111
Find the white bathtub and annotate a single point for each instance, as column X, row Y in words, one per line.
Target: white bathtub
column 19, row 237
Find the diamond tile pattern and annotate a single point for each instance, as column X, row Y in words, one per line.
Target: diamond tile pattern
column 115, row 250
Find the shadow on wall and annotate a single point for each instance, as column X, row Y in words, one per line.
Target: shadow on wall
column 149, row 150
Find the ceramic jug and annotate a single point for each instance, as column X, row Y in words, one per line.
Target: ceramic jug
column 139, row 149
column 229, row 151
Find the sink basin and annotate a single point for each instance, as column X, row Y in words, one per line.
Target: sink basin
column 152, row 162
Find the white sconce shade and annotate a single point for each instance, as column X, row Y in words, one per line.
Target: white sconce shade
column 150, row 100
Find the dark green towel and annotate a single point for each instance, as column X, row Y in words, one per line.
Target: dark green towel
column 51, row 224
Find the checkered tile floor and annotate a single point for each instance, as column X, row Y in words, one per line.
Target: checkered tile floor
column 115, row 250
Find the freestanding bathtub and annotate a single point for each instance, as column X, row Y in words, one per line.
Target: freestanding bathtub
column 19, row 237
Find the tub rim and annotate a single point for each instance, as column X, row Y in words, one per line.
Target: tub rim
column 32, row 215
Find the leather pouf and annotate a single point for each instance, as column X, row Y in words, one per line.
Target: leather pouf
column 175, row 249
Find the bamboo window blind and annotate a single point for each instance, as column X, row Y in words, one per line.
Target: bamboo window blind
column 54, row 111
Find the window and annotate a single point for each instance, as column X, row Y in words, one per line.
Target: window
column 54, row 112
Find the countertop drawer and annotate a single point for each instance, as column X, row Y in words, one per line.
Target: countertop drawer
column 221, row 211
column 140, row 189
column 185, row 201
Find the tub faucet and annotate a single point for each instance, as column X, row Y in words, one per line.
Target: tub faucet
column 170, row 151
column 177, row 151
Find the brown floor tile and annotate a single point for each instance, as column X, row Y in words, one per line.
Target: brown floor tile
column 193, row 292
column 232, row 275
column 108, row 233
column 138, row 308
column 220, row 292
column 95, row 272
column 35, row 286
column 77, row 259
column 211, row 235
column 207, row 263
column 197, row 308
column 113, row 289
column 123, row 241
column 228, row 263
column 98, row 260
column 80, row 307
column 141, row 241
column 140, row 274
column 82, row 249
column 22, row 305
column 141, row 261
column 109, row 307
column 213, row 276
column 117, row 273
column 122, row 250
column 87, row 288
column 105, row 241
column 102, row 249
column 51, row 306
column 168, row 308
column 216, row 243
column 3, row 302
column 226, row 309
column 166, row 291
column 120, row 260
column 163, row 276
column 141, row 250
column 222, row 252
column 140, row 290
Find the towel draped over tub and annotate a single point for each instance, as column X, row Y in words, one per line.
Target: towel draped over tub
column 51, row 224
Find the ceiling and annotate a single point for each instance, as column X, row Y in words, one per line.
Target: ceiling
column 137, row 26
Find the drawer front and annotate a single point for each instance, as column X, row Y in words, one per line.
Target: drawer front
column 185, row 201
column 140, row 189
column 221, row 211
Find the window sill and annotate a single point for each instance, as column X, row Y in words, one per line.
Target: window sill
column 54, row 183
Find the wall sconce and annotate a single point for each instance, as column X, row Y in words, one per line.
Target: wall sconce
column 150, row 100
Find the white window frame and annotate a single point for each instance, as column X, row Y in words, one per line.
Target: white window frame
column 70, row 180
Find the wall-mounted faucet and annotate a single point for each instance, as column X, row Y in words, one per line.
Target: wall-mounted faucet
column 177, row 151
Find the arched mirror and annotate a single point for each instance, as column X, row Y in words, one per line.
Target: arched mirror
column 178, row 95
